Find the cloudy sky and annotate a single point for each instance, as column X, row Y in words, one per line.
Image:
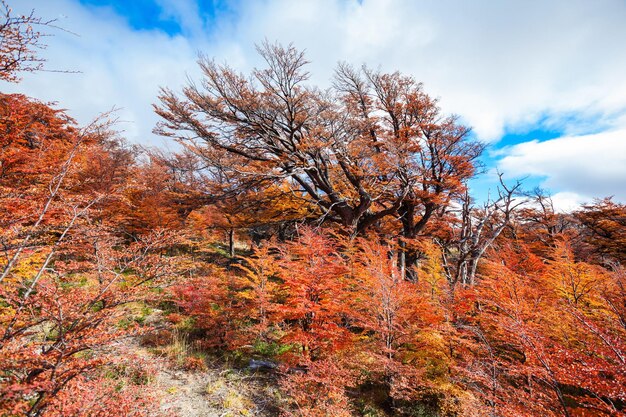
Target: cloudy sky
column 544, row 82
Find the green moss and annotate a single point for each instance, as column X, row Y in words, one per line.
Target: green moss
column 124, row 324
column 271, row 349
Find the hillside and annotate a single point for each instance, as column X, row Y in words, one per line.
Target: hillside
column 301, row 251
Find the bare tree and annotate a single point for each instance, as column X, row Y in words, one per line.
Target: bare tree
column 479, row 228
column 20, row 40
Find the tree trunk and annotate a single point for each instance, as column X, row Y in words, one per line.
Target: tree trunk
column 402, row 258
column 412, row 257
column 471, row 276
column 231, row 243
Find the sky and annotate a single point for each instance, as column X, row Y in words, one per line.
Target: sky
column 542, row 82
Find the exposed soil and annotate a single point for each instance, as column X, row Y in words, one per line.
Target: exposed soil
column 217, row 391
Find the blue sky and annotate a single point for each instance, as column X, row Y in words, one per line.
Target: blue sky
column 154, row 15
column 140, row 14
column 542, row 82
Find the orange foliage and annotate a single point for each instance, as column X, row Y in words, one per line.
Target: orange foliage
column 66, row 275
column 371, row 306
column 548, row 340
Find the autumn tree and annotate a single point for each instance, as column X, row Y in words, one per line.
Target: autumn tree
column 604, row 229
column 508, row 366
column 155, row 198
column 395, row 315
column 66, row 274
column 40, row 147
column 258, row 214
column 547, row 337
column 261, row 288
column 374, row 146
column 540, row 225
column 20, row 38
column 57, row 334
column 315, row 278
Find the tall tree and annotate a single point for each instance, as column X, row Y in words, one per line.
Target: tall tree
column 374, row 146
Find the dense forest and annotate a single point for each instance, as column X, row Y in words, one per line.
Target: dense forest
column 322, row 241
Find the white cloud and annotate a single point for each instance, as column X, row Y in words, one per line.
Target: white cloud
column 498, row 64
column 589, row 165
column 567, row 201
column 503, row 66
column 119, row 67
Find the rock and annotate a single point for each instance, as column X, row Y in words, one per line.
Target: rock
column 262, row 365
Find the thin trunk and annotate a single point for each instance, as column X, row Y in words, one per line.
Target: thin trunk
column 471, row 276
column 231, row 243
column 402, row 258
column 412, row 258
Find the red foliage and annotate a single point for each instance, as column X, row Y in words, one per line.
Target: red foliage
column 65, row 274
column 315, row 279
column 536, row 328
column 210, row 301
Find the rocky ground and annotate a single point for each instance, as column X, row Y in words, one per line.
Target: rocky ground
column 209, row 388
column 215, row 393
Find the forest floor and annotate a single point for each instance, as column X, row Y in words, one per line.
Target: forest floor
column 216, row 392
column 212, row 388
column 184, row 393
